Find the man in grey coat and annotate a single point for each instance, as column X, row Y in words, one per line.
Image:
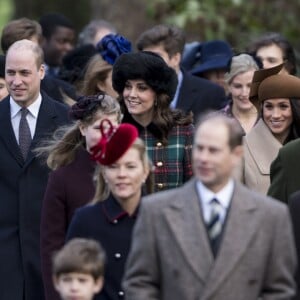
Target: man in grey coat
column 212, row 238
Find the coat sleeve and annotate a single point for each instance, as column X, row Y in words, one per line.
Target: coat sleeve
column 187, row 164
column 279, row 280
column 278, row 188
column 78, row 226
column 53, row 229
column 142, row 274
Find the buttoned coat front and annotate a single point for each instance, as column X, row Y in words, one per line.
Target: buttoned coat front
column 260, row 149
column 171, row 258
column 22, row 185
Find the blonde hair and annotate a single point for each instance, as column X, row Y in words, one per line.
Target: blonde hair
column 97, row 70
column 27, row 45
column 240, row 64
column 102, row 191
column 61, row 149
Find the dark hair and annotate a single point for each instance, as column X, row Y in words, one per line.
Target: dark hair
column 235, row 131
column 279, row 40
column 50, row 21
column 75, row 62
column 147, row 66
column 294, row 132
column 2, row 66
column 86, row 107
column 19, row 29
column 81, row 256
column 170, row 37
column 151, row 68
column 164, row 118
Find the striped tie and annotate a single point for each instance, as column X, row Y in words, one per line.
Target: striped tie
column 214, row 224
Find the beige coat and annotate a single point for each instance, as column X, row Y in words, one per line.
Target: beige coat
column 260, row 149
column 171, row 258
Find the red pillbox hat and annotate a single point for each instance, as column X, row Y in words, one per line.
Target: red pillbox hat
column 115, row 141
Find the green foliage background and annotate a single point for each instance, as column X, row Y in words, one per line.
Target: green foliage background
column 237, row 21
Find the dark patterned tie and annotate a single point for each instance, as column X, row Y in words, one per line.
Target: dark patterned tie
column 24, row 133
column 214, row 225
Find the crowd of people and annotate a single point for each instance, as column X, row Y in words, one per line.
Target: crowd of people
column 153, row 169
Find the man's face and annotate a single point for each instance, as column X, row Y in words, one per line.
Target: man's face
column 213, row 159
column 58, row 45
column 172, row 62
column 271, row 56
column 23, row 76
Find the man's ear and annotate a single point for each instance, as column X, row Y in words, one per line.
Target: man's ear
column 238, row 153
column 175, row 60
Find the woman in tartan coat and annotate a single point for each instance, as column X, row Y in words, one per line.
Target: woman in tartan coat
column 146, row 87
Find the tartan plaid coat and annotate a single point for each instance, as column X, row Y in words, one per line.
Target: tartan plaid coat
column 172, row 162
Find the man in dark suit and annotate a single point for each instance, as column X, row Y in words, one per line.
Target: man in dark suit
column 193, row 94
column 27, row 117
column 212, row 238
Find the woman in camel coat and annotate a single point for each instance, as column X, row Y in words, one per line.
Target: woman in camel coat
column 275, row 95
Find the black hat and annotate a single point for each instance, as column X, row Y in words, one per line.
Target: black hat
column 2, row 66
column 147, row 66
column 75, row 61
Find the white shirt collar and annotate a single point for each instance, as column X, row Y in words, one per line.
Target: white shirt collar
column 33, row 107
column 224, row 195
column 175, row 99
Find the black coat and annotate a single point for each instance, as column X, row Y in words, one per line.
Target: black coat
column 56, row 88
column 199, row 95
column 294, row 206
column 110, row 225
column 22, row 186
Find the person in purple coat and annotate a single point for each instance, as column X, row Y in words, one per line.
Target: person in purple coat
column 70, row 184
column 122, row 179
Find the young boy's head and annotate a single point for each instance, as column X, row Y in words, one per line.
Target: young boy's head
column 78, row 269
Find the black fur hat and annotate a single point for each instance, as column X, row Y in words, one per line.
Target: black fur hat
column 147, row 66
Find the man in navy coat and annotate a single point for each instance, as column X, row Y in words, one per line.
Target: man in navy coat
column 23, row 177
column 193, row 94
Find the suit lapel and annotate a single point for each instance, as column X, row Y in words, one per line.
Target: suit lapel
column 240, row 228
column 7, row 133
column 45, row 124
column 183, row 101
column 184, row 219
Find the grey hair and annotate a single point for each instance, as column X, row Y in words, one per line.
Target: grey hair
column 240, row 64
column 89, row 32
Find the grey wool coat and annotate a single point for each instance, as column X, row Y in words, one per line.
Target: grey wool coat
column 171, row 257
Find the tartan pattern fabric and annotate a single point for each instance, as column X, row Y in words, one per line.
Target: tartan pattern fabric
column 172, row 162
